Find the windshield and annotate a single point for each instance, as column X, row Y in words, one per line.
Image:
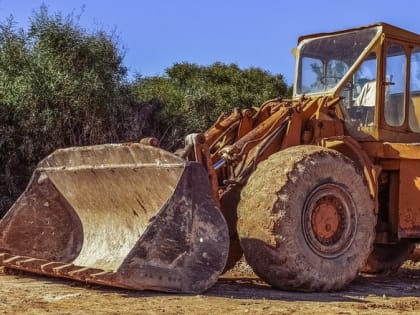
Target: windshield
column 324, row 61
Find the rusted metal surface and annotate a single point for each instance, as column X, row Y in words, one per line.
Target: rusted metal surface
column 154, row 142
column 352, row 149
column 222, row 127
column 328, row 220
column 142, row 215
column 60, row 270
column 402, row 161
column 264, row 138
column 409, row 196
column 389, row 150
column 325, row 218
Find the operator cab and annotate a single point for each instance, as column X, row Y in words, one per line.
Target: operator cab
column 376, row 71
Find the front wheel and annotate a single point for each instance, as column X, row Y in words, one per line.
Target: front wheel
column 306, row 220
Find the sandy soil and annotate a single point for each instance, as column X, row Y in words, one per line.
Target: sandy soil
column 392, row 294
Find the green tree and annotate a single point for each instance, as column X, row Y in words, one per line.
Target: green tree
column 191, row 97
column 60, row 85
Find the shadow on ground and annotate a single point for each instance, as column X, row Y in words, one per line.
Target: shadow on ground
column 405, row 283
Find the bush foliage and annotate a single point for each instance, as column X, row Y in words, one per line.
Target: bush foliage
column 61, row 85
column 190, row 97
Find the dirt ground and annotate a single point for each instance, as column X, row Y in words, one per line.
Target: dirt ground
column 387, row 294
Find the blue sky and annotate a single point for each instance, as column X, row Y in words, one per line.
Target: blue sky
column 260, row 33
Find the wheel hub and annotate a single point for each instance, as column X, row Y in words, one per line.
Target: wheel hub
column 329, row 220
column 325, row 218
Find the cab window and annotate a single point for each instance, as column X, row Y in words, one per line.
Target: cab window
column 359, row 96
column 336, row 69
column 394, row 109
column 311, row 82
column 414, row 101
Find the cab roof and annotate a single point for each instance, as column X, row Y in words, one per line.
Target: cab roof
column 388, row 29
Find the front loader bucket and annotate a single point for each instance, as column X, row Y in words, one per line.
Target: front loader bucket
column 124, row 215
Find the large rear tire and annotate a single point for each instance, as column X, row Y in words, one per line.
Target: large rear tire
column 388, row 257
column 306, row 220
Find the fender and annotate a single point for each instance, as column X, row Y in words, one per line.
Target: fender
column 352, row 149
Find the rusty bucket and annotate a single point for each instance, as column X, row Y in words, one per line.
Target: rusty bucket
column 124, row 215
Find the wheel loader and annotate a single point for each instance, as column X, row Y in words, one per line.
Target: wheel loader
column 311, row 190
